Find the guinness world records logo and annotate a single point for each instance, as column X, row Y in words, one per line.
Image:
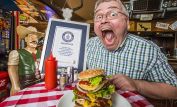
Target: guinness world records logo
column 67, row 36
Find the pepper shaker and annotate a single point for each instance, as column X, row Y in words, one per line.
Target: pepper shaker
column 62, row 81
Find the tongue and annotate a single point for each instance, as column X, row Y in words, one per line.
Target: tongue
column 109, row 37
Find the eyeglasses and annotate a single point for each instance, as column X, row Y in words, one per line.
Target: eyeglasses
column 110, row 15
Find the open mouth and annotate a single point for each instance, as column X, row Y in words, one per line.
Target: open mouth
column 108, row 36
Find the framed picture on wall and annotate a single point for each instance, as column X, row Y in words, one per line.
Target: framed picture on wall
column 66, row 40
column 143, row 26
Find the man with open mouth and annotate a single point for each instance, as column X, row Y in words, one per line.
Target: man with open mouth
column 136, row 64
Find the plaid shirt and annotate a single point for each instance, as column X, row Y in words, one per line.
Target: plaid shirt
column 137, row 58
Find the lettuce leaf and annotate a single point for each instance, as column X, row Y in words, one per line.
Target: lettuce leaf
column 106, row 91
column 75, row 95
column 96, row 80
column 109, row 76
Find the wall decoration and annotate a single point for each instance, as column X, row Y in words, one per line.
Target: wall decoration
column 67, row 41
column 173, row 26
column 132, row 26
column 143, row 26
column 34, row 11
column 162, row 25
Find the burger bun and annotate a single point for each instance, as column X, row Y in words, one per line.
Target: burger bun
column 90, row 73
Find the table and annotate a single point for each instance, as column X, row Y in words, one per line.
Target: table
column 38, row 96
column 4, row 80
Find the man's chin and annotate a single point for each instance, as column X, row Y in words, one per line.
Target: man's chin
column 110, row 47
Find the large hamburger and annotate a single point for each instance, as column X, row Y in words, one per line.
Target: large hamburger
column 93, row 89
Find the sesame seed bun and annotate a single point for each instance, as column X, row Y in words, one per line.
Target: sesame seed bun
column 90, row 73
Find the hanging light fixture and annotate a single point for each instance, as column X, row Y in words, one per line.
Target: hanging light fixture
column 67, row 12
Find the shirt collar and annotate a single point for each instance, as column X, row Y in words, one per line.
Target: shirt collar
column 122, row 44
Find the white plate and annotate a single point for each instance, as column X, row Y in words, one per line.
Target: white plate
column 66, row 100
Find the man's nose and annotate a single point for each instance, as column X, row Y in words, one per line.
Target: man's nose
column 104, row 19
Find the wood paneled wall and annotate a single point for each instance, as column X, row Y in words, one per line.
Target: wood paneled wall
column 134, row 25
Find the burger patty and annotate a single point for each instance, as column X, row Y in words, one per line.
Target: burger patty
column 100, row 102
column 86, row 88
column 81, row 95
column 77, row 104
column 103, row 102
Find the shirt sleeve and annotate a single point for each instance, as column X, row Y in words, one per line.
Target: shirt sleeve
column 162, row 71
column 13, row 58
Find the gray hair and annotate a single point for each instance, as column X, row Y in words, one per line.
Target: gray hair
column 124, row 10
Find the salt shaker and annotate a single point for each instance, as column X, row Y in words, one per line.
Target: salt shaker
column 62, row 81
column 70, row 73
column 75, row 75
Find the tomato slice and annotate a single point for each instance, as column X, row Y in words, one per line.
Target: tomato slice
column 84, row 82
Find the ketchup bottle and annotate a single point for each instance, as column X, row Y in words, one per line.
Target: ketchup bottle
column 50, row 72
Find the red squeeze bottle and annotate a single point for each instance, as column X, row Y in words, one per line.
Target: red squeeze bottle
column 50, row 72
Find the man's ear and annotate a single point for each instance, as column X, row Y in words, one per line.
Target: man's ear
column 128, row 24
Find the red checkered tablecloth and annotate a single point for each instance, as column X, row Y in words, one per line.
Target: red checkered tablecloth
column 38, row 96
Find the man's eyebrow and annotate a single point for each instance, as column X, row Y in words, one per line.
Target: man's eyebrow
column 112, row 7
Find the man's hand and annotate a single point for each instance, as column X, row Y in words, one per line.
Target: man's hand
column 150, row 89
column 123, row 82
